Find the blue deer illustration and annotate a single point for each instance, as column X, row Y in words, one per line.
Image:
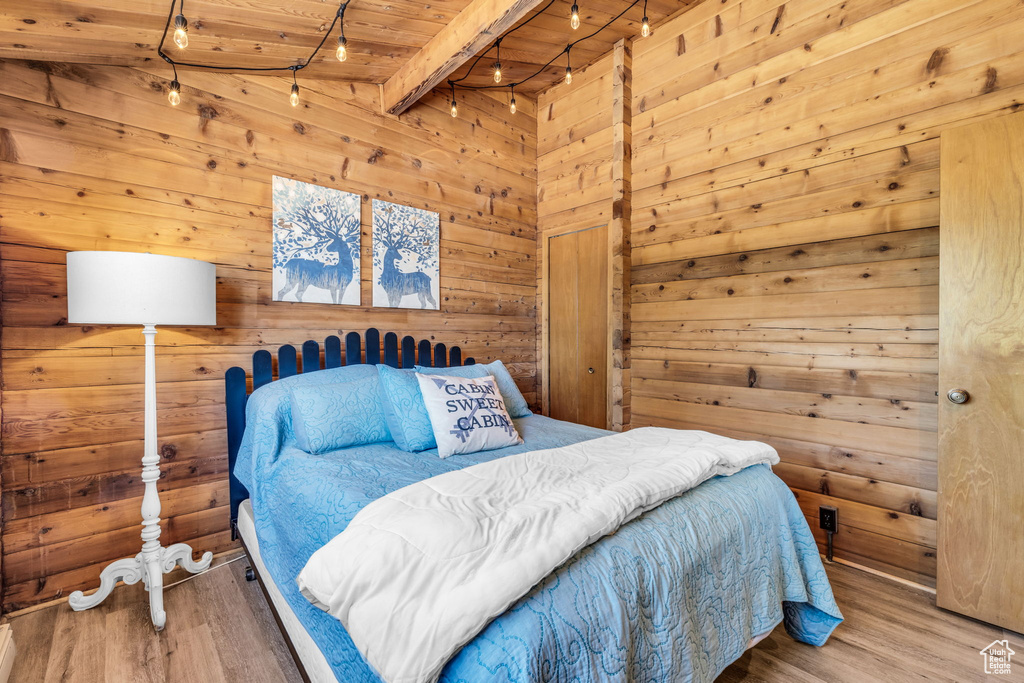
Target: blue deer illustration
column 302, row 273
column 397, row 284
column 400, row 231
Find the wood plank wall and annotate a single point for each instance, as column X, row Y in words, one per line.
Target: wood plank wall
column 574, row 151
column 95, row 158
column 574, row 168
column 583, row 157
column 785, row 239
column 785, row 186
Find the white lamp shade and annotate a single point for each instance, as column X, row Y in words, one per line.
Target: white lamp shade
column 126, row 288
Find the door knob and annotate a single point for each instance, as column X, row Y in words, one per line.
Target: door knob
column 958, row 395
column 591, row 371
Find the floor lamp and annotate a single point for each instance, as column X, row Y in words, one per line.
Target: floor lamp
column 121, row 288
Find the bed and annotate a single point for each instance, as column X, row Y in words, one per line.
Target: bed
column 676, row 594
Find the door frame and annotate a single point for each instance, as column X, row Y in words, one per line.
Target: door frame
column 617, row 338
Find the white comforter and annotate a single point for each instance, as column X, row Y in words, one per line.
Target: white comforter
column 418, row 573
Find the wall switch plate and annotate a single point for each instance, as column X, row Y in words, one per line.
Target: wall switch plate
column 828, row 518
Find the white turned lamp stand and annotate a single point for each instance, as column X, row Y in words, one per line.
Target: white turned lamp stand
column 118, row 288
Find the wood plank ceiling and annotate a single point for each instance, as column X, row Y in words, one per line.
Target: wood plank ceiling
column 382, row 34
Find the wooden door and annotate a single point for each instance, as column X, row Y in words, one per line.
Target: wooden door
column 592, row 315
column 981, row 350
column 563, row 326
column 578, row 326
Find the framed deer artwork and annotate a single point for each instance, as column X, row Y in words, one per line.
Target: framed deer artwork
column 316, row 243
column 406, row 256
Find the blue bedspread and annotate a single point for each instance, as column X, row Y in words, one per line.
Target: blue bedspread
column 675, row 595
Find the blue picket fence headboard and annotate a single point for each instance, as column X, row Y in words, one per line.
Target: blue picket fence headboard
column 355, row 350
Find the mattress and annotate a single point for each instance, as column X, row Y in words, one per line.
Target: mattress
column 312, row 659
column 676, row 594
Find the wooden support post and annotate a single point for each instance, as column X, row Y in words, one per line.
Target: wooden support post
column 619, row 238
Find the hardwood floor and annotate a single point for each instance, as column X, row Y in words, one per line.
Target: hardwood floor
column 891, row 632
column 219, row 629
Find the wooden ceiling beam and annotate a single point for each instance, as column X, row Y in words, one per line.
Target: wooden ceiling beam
column 468, row 33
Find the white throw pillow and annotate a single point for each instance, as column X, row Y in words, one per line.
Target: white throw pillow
column 467, row 415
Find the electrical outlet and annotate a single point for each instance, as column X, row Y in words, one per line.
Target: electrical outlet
column 828, row 518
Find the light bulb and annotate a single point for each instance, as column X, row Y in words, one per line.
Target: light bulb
column 568, row 74
column 181, row 31
column 455, row 110
column 512, row 106
column 342, row 51
column 497, row 72
column 294, row 97
column 645, row 28
column 574, row 18
column 174, row 94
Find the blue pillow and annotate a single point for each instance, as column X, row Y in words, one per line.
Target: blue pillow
column 332, row 416
column 404, row 409
column 515, row 404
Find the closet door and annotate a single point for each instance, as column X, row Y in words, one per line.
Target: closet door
column 981, row 372
column 563, row 326
column 578, row 326
column 592, row 316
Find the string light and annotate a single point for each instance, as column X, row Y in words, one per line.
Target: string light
column 174, row 93
column 181, row 31
column 294, row 97
column 180, row 37
column 497, row 63
column 543, row 69
column 342, row 52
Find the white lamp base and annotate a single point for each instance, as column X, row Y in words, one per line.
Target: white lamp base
column 154, row 561
column 151, row 570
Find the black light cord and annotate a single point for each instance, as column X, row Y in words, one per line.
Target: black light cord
column 340, row 16
column 292, row 67
column 497, row 43
column 538, row 72
column 160, row 48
